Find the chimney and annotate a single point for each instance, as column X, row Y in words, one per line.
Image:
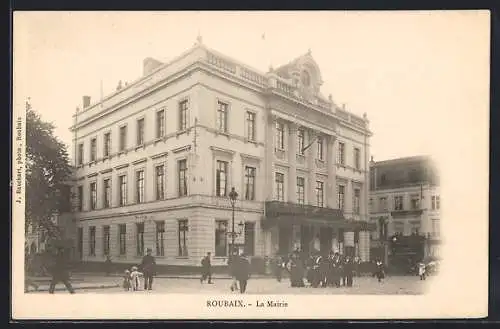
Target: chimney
column 86, row 101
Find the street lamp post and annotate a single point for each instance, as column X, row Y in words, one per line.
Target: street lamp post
column 233, row 195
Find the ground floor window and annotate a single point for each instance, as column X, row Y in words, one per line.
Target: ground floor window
column 249, row 239
column 220, row 238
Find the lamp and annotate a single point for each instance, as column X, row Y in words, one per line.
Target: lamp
column 233, row 195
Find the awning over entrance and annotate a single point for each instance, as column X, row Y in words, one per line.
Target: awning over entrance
column 288, row 214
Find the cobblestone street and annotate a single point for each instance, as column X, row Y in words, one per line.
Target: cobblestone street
column 409, row 285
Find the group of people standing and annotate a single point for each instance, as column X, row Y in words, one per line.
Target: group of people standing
column 317, row 269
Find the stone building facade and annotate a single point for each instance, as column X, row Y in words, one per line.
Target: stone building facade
column 156, row 160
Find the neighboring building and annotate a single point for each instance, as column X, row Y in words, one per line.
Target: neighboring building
column 157, row 159
column 405, row 205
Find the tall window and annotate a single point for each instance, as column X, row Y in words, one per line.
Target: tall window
column 93, row 195
column 319, row 194
column 250, row 119
column 160, row 238
column 319, row 142
column 139, row 185
column 105, row 239
column 435, row 228
column 222, row 117
column 435, row 202
column 140, row 131
column 300, row 141
column 300, row 190
column 93, row 149
column 280, row 186
column 182, row 177
column 79, row 205
column 221, row 179
column 123, row 138
column 122, row 181
column 398, row 202
column 341, row 154
column 107, row 193
column 415, row 201
column 340, row 197
column 122, row 238
column 160, row 182
column 357, row 158
column 280, row 134
column 183, row 109
column 249, row 183
column 92, row 241
column 160, row 123
column 383, row 203
column 356, row 200
column 140, row 239
column 220, row 238
column 80, row 154
column 182, row 237
column 107, row 144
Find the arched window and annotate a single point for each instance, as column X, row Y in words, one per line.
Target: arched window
column 306, row 78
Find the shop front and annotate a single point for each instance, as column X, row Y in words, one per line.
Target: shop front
column 313, row 229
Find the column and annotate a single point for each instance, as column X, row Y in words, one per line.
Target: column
column 292, row 162
column 331, row 186
column 364, row 246
column 312, row 154
column 348, row 199
column 269, row 157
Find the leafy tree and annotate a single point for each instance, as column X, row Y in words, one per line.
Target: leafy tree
column 47, row 172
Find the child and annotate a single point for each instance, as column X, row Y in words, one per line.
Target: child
column 135, row 276
column 126, row 280
column 421, row 270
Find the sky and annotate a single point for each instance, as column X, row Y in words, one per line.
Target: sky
column 409, row 71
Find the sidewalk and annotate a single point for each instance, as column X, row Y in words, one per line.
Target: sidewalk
column 169, row 276
column 75, row 285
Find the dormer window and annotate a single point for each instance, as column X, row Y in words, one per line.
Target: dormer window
column 305, row 79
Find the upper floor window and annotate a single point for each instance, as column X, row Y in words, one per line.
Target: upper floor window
column 107, row 144
column 341, row 154
column 160, row 123
column 435, row 202
column 319, row 142
column 280, row 186
column 398, row 202
column 280, row 135
column 140, row 131
column 300, row 141
column 221, row 179
column 341, row 197
column 93, row 149
column 80, row 154
column 319, row 194
column 300, row 190
column 182, row 167
column 250, row 120
column 415, row 201
column 249, row 183
column 183, row 112
column 160, row 182
column 122, row 181
column 123, row 138
column 383, row 203
column 139, row 186
column 107, row 193
column 356, row 201
column 93, row 195
column 222, row 117
column 357, row 158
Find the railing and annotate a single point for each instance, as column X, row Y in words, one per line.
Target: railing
column 279, row 208
column 252, row 76
column 221, row 63
column 358, row 121
column 286, row 88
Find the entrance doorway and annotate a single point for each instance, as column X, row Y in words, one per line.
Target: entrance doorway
column 325, row 239
column 285, row 238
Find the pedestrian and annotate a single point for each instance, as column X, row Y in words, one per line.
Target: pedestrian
column 348, row 271
column 279, row 265
column 135, row 277
column 126, row 281
column 421, row 270
column 379, row 272
column 60, row 271
column 206, row 269
column 148, row 267
column 108, row 264
column 242, row 271
column 232, row 266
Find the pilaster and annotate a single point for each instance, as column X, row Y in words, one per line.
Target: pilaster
column 331, row 186
column 269, row 172
column 312, row 153
column 292, row 162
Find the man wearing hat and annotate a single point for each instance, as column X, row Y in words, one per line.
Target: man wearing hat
column 60, row 271
column 148, row 267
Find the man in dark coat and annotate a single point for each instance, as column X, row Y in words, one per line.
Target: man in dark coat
column 148, row 267
column 60, row 271
column 242, row 271
column 348, row 271
column 206, row 269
